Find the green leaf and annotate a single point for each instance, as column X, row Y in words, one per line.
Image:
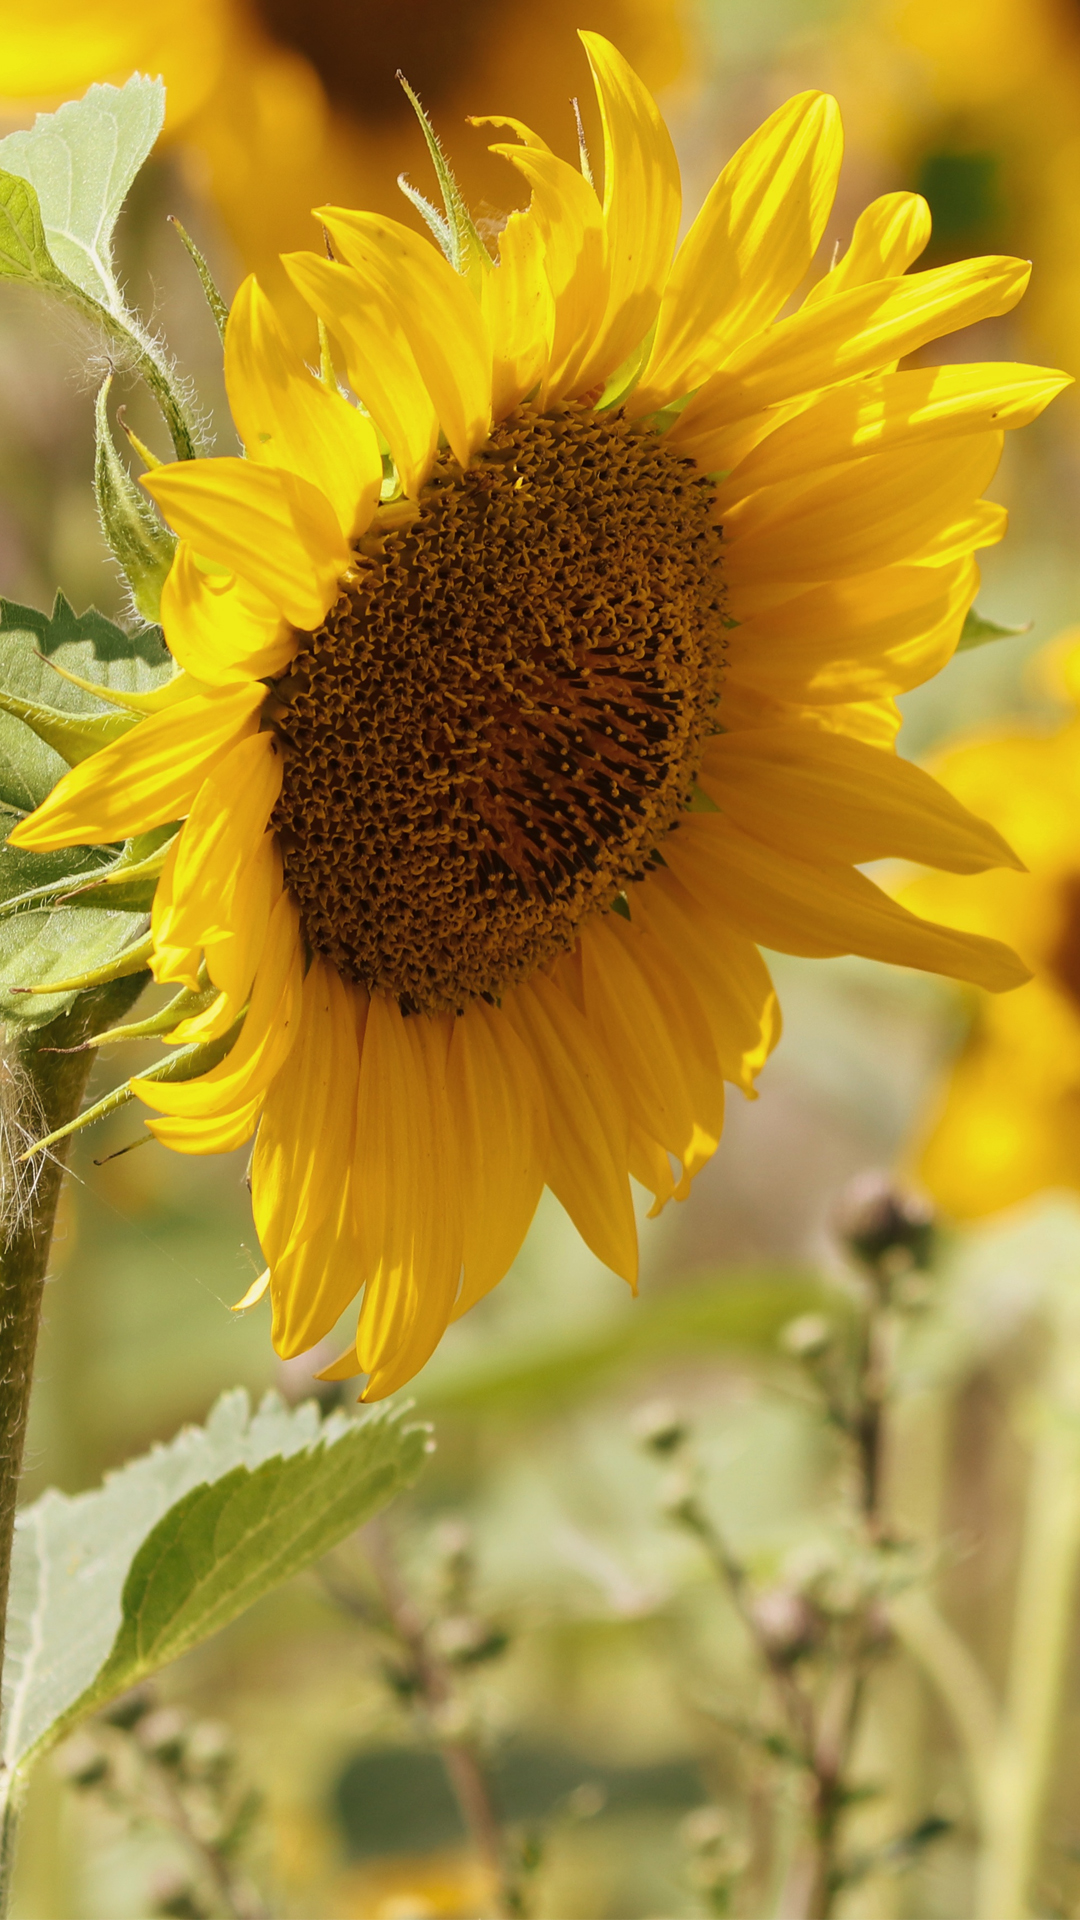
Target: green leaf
column 24, row 256
column 976, row 631
column 62, row 185
column 38, row 944
column 81, row 162
column 109, row 1586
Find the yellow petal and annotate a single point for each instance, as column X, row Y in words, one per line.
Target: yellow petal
column 820, row 908
column 569, row 218
column 893, row 411
column 380, row 361
column 309, row 1119
column 232, row 963
column 272, row 527
column 266, row 1037
column 222, row 1134
column 722, row 967
column 871, row 513
column 408, row 1194
column 861, row 331
column 964, row 532
column 749, row 247
column 889, row 234
column 149, row 777
column 642, row 201
column 587, row 1166
column 286, row 418
column 874, row 633
column 439, row 316
column 655, row 1041
column 220, row 629
column 500, row 1123
column 809, row 792
column 312, row 1284
column 217, row 844
column 520, row 312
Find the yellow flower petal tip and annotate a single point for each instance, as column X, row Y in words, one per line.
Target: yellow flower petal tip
column 254, row 1293
column 513, row 731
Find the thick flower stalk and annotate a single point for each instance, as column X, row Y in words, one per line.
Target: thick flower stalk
column 518, row 704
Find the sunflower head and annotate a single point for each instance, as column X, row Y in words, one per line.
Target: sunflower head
column 537, row 663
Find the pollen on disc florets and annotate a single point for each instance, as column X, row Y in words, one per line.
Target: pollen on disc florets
column 505, row 710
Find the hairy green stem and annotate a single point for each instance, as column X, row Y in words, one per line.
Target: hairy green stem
column 1020, row 1766
column 42, row 1087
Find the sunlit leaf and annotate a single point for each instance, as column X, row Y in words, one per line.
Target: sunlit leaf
column 110, row 1585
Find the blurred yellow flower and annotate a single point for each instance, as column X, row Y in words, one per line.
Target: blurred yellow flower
column 281, row 105
column 1009, row 1124
column 979, row 102
column 470, row 847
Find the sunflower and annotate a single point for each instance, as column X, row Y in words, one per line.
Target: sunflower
column 275, row 105
column 1008, row 1124
column 519, row 703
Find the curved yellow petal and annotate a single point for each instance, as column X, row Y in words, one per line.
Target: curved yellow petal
column 146, row 779
column 892, row 411
column 272, row 527
column 380, row 361
column 870, row 513
column 221, row 1135
column 219, row 628
column 439, row 316
column 500, row 1123
column 587, row 1165
column 749, row 247
column 287, row 418
column 309, row 1118
column 724, row 969
column 870, row 634
column 312, row 1284
column 407, row 1194
column 642, row 202
column 266, row 1037
column 810, row 793
column 889, row 235
column 655, row 1041
column 570, row 220
column 520, row 312
column 861, row 331
column 820, row 907
column 232, row 963
column 216, row 845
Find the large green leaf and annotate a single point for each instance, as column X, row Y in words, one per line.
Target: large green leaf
column 81, row 162
column 39, row 943
column 108, row 1586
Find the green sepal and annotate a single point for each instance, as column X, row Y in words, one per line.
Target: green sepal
column 219, row 308
column 183, row 1006
column 186, row 1064
column 139, row 542
column 977, row 631
column 699, row 801
column 74, row 737
column 128, row 883
column 467, row 252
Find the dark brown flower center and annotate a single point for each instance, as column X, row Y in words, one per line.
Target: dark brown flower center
column 357, row 48
column 1064, row 960
column 504, row 713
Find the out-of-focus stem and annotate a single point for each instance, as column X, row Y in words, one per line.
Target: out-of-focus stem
column 46, row 1086
column 1020, row 1766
